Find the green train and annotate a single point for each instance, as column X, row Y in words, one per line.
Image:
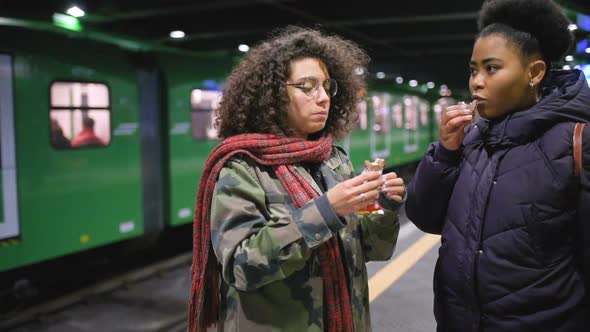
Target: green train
column 103, row 139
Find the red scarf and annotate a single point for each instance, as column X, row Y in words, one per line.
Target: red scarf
column 280, row 154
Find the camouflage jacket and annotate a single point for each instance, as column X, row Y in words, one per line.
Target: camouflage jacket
column 271, row 278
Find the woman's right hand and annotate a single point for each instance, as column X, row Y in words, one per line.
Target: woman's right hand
column 452, row 124
column 354, row 194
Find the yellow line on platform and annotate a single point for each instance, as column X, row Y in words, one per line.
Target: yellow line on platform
column 400, row 265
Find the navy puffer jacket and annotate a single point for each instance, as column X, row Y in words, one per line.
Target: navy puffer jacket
column 507, row 206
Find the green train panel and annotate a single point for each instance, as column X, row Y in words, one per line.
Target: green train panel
column 71, row 167
column 193, row 92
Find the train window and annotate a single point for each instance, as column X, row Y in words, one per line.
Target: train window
column 362, row 120
column 411, row 110
column 203, row 105
column 80, row 115
column 381, row 113
column 397, row 115
column 423, row 113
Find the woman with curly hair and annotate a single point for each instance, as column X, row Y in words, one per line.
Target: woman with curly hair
column 504, row 192
column 278, row 245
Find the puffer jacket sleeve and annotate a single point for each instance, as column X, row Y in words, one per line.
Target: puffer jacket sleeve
column 584, row 205
column 431, row 188
column 254, row 246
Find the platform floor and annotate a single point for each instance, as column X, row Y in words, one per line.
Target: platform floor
column 400, row 294
column 405, row 301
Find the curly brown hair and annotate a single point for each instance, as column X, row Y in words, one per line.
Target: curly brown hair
column 255, row 98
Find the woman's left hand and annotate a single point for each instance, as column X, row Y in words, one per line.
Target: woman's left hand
column 394, row 187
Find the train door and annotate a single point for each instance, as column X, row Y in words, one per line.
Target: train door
column 193, row 90
column 9, row 220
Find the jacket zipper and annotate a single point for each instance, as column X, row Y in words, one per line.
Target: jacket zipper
column 479, row 250
column 476, row 255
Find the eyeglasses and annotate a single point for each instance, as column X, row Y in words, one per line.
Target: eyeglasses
column 311, row 86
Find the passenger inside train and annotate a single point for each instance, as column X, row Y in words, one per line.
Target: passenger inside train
column 87, row 136
column 58, row 140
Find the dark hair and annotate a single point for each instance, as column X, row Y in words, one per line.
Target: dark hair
column 534, row 26
column 255, row 98
column 88, row 122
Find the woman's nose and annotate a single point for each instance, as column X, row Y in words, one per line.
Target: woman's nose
column 322, row 93
column 476, row 81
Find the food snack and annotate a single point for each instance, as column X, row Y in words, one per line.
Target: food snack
column 472, row 106
column 373, row 207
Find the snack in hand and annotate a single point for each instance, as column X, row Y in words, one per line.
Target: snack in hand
column 373, row 207
column 472, row 106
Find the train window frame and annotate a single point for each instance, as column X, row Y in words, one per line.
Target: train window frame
column 211, row 114
column 71, row 109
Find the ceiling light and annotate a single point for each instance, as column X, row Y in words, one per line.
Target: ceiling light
column 413, row 83
column 177, row 34
column 244, row 48
column 430, row 85
column 567, row 67
column 572, row 27
column 380, row 75
column 588, row 50
column 399, row 80
column 75, row 11
column 569, row 58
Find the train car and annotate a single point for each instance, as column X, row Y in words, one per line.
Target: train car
column 103, row 139
column 95, row 146
column 65, row 189
column 392, row 125
column 395, row 123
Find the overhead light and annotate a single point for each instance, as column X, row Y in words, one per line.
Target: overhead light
column 75, row 11
column 177, row 34
column 244, row 48
column 567, row 67
column 569, row 58
column 399, row 80
column 380, row 75
column 588, row 50
column 413, row 83
column 430, row 85
column 572, row 27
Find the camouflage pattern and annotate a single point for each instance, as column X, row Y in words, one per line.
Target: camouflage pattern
column 271, row 278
